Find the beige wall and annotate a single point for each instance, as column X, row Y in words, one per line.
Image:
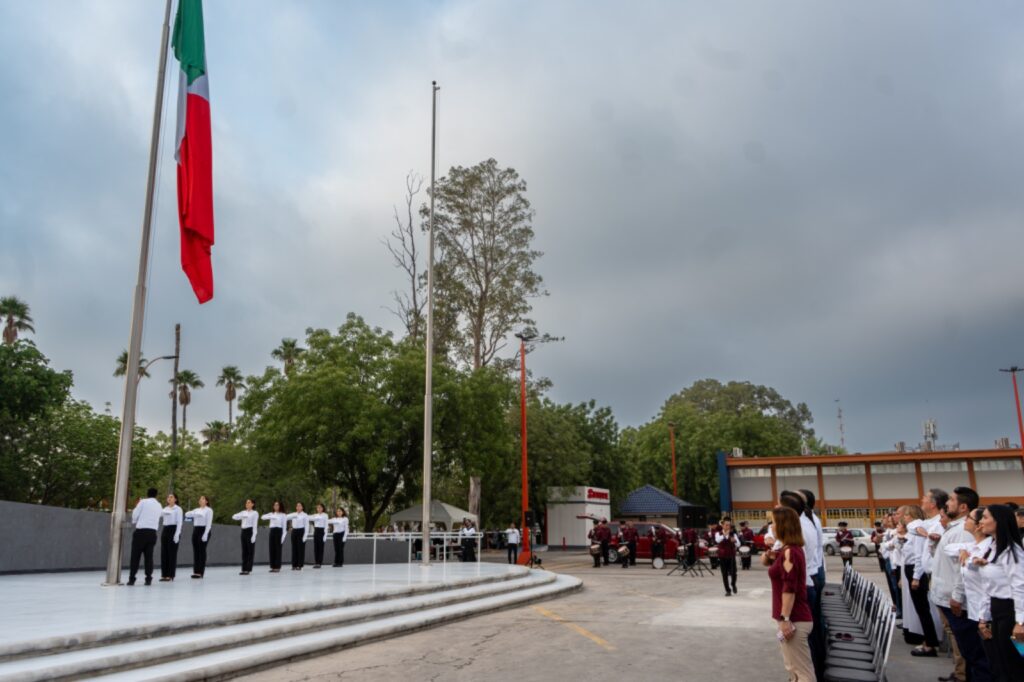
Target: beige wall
column 893, row 481
column 795, row 478
column 845, row 482
column 999, row 478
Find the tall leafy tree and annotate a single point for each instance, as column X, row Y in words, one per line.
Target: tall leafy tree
column 121, row 366
column 15, row 314
column 188, row 381
column 485, row 270
column 288, row 353
column 215, row 432
column 231, row 379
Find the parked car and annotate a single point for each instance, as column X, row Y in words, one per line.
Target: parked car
column 862, row 544
column 643, row 543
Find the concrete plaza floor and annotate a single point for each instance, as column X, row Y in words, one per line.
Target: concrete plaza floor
column 637, row 624
column 56, row 607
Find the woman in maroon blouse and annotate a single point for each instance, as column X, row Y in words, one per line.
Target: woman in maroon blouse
column 792, row 614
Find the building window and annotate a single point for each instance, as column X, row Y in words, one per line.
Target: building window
column 752, row 472
column 901, row 468
column 997, row 465
column 797, row 471
column 943, row 467
column 844, row 470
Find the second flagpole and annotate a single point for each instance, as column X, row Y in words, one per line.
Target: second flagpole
column 428, row 397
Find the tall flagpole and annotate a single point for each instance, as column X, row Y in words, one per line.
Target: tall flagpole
column 428, row 397
column 131, row 383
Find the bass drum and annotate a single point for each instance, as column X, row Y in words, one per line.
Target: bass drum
column 658, row 562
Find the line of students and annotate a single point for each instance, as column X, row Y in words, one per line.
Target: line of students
column 148, row 517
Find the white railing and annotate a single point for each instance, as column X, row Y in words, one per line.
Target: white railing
column 449, row 542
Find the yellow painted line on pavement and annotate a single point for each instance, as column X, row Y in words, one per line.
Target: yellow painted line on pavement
column 575, row 628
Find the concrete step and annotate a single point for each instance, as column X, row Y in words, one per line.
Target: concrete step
column 234, row 643
column 228, row 663
column 14, row 648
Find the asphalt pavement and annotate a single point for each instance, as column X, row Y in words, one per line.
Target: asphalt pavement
column 637, row 623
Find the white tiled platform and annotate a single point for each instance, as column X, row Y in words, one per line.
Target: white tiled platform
column 38, row 607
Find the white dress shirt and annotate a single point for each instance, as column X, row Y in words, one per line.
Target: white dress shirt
column 914, row 548
column 202, row 517
column 249, row 519
column 467, row 532
column 300, row 521
column 319, row 520
column 974, row 591
column 812, row 547
column 947, row 582
column 278, row 520
column 932, row 525
column 720, row 538
column 1002, row 578
column 173, row 516
column 512, row 536
column 146, row 515
column 339, row 524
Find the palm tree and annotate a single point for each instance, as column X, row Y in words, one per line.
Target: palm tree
column 231, row 379
column 187, row 381
column 121, row 367
column 18, row 319
column 215, row 432
column 288, row 352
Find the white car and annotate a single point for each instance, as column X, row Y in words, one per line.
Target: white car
column 861, row 541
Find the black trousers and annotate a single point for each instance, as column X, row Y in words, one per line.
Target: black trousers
column 513, row 552
column 922, row 606
column 143, row 542
column 298, row 548
column 469, row 550
column 339, row 549
column 199, row 550
column 318, row 546
column 881, row 560
column 168, row 552
column 275, row 547
column 849, row 560
column 745, row 561
column 632, row 552
column 728, row 566
column 248, row 550
column 1007, row 665
column 657, row 550
column 605, row 544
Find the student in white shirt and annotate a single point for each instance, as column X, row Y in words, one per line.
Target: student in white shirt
column 512, row 539
column 339, row 531
column 915, row 582
column 970, row 596
column 319, row 520
column 202, row 524
column 467, row 535
column 172, row 519
column 146, row 517
column 278, row 527
column 300, row 532
column 250, row 519
column 1002, row 573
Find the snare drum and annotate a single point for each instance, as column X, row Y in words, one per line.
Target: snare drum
column 713, row 552
column 658, row 562
column 595, row 549
column 846, row 552
column 745, row 550
column 623, row 551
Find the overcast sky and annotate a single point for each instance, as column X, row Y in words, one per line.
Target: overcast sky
column 822, row 197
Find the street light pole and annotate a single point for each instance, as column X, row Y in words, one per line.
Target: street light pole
column 1016, row 396
column 525, row 557
column 672, row 440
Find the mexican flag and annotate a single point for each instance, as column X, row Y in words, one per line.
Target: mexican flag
column 193, row 150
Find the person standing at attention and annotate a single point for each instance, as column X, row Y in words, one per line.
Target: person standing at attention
column 250, row 519
column 300, row 533
column 146, row 517
column 790, row 609
column 172, row 519
column 319, row 520
column 339, row 531
column 278, row 525
column 512, row 541
column 202, row 524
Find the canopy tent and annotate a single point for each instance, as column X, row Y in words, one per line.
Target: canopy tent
column 440, row 512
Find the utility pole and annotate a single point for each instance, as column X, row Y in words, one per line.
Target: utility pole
column 842, row 429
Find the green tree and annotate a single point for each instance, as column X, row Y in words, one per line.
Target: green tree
column 485, row 271
column 187, row 381
column 16, row 318
column 288, row 353
column 215, row 432
column 121, row 366
column 231, row 379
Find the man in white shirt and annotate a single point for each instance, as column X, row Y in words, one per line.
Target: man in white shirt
column 146, row 517
column 512, row 540
column 928, row 531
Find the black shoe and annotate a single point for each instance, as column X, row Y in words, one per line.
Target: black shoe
column 149, row 581
column 928, row 653
column 949, row 678
column 131, row 581
column 196, row 576
column 165, row 580
column 728, row 594
column 734, row 590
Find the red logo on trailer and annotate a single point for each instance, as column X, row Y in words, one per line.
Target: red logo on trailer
column 596, row 494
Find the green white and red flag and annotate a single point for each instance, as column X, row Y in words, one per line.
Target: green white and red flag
column 194, row 150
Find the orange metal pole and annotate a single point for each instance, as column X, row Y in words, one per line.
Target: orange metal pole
column 1020, row 422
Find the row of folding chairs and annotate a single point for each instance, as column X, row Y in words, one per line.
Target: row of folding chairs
column 859, row 619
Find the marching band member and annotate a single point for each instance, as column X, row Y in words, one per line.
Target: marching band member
column 746, row 540
column 512, row 542
column 690, row 539
column 709, row 537
column 844, row 538
column 173, row 519
column 629, row 536
column 146, row 518
column 300, row 533
column 202, row 524
column 595, row 536
column 278, row 525
column 1001, row 565
column 658, row 538
column 339, row 531
column 728, row 542
column 319, row 520
column 250, row 519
